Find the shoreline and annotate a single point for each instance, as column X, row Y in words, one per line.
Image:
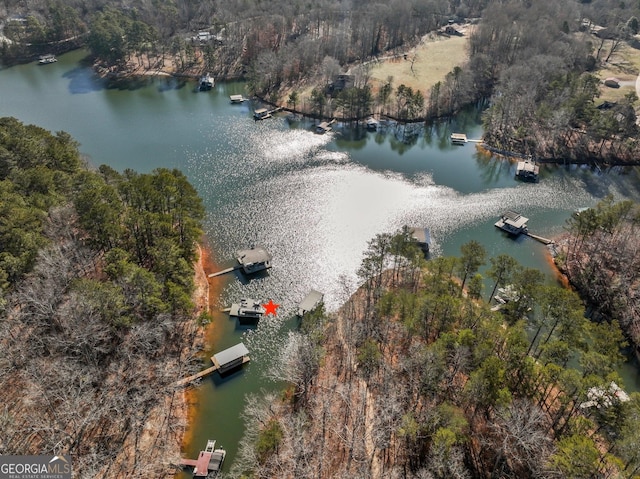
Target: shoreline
column 205, row 336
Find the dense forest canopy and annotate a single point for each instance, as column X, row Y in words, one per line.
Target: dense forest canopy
column 416, row 377
column 96, row 283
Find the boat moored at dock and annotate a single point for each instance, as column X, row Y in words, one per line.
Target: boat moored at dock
column 372, row 124
column 237, row 98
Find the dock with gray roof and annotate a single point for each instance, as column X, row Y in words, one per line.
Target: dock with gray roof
column 254, row 259
column 224, row 361
column 310, row 302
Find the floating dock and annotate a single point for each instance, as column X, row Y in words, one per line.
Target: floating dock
column 263, row 113
column 310, row 302
column 209, row 461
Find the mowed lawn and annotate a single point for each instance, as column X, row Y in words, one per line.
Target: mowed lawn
column 623, row 65
column 425, row 65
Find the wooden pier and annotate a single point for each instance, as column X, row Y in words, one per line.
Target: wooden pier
column 188, row 380
column 542, row 240
column 209, row 461
column 224, row 271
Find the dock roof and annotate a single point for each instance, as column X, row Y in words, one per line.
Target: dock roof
column 421, row 235
column 310, row 301
column 257, row 254
column 514, row 219
column 231, row 354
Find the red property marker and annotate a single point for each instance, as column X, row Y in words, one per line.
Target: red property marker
column 270, row 308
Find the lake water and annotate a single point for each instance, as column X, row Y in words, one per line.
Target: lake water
column 312, row 200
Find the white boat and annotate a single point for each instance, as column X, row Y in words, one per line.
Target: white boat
column 46, row 59
column 236, row 98
column 206, row 82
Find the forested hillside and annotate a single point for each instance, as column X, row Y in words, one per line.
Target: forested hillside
column 534, row 63
column 97, row 277
column 601, row 258
column 415, row 378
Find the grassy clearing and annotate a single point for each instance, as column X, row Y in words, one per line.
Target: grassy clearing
column 434, row 57
column 623, row 65
column 425, row 65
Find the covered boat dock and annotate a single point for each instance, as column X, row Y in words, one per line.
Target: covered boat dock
column 230, row 358
column 254, row 259
column 512, row 222
column 310, row 302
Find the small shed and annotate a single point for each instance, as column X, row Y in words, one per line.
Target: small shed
column 254, row 259
column 231, row 358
